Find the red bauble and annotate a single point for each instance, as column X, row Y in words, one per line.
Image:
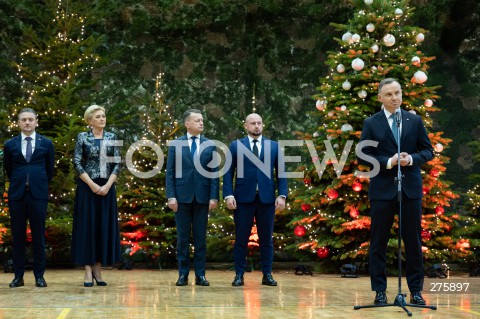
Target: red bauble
column 306, row 207
column 426, row 234
column 434, row 172
column 439, row 210
column 357, row 186
column 425, row 190
column 332, row 194
column 353, row 212
column 307, row 180
column 323, row 252
column 300, row 231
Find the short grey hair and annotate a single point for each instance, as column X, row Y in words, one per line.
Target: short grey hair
column 385, row 82
column 27, row 110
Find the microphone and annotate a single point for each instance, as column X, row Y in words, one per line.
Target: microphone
column 398, row 116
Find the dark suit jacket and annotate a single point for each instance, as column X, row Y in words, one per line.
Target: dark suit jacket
column 245, row 187
column 40, row 167
column 192, row 183
column 414, row 140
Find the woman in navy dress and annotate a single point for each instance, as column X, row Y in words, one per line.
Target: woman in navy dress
column 95, row 236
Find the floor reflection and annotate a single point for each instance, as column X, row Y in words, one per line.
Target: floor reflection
column 153, row 294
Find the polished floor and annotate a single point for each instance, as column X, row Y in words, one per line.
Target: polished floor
column 153, row 294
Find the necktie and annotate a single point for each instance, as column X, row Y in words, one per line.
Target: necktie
column 28, row 153
column 255, row 148
column 193, row 148
column 394, row 128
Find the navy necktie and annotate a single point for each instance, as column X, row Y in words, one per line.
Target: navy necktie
column 255, row 148
column 394, row 128
column 193, row 148
column 28, row 153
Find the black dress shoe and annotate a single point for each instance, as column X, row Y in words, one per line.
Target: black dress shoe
column 182, row 280
column 99, row 283
column 40, row 282
column 417, row 299
column 268, row 280
column 238, row 281
column 16, row 282
column 201, row 281
column 380, row 298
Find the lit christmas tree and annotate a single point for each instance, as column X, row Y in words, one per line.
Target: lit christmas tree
column 471, row 227
column 148, row 230
column 331, row 207
column 54, row 66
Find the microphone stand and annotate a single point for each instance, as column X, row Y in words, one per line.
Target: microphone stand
column 400, row 299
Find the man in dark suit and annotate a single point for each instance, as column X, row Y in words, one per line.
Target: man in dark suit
column 29, row 163
column 191, row 194
column 255, row 161
column 415, row 151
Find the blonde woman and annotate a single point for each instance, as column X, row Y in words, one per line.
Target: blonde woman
column 95, row 236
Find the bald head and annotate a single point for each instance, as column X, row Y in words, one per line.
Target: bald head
column 254, row 125
column 254, row 116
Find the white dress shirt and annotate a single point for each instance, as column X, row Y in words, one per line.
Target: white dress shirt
column 24, row 143
column 197, row 141
column 390, row 121
column 259, row 143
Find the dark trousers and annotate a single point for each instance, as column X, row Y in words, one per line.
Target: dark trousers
column 382, row 213
column 244, row 215
column 192, row 218
column 35, row 211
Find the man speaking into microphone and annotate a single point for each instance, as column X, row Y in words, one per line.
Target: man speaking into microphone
column 388, row 127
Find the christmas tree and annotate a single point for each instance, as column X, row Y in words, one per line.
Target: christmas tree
column 147, row 224
column 55, row 57
column 471, row 227
column 331, row 208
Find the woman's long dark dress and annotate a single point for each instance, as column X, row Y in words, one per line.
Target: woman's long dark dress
column 95, row 235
